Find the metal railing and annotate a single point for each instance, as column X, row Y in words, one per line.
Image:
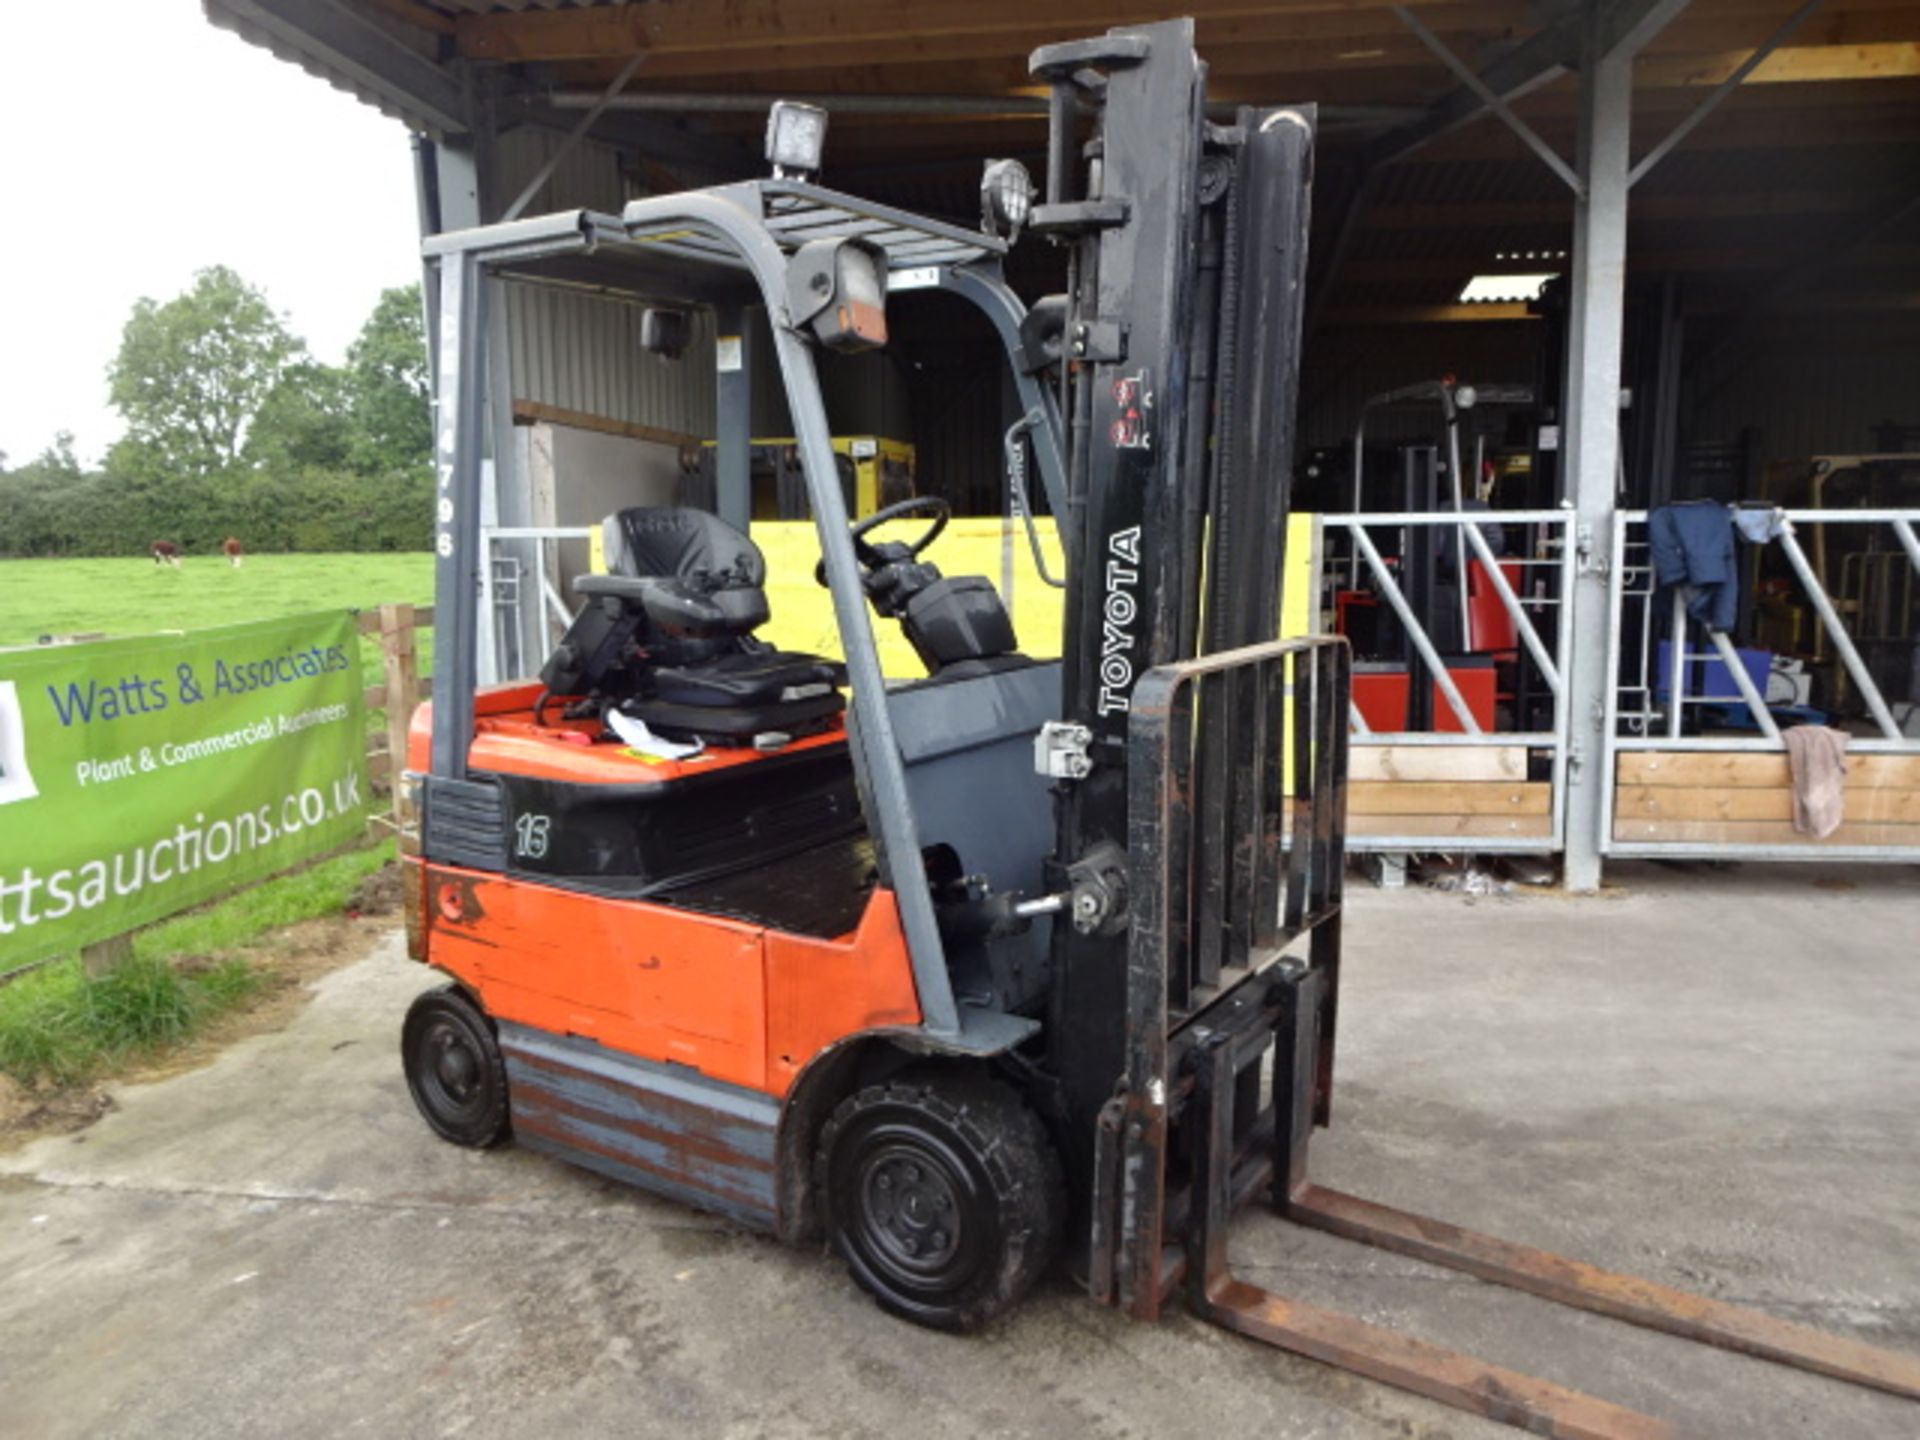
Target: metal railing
column 1645, row 715
column 1536, row 609
column 503, row 592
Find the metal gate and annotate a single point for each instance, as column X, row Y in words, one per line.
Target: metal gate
column 1673, row 792
column 1464, row 785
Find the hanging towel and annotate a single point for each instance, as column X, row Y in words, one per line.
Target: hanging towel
column 1692, row 544
column 1817, row 759
column 1759, row 524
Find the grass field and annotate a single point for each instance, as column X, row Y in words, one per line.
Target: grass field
column 135, row 596
column 60, row 1025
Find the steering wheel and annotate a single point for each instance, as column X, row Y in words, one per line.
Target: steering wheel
column 912, row 505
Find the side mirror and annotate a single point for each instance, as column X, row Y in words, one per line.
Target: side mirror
column 663, row 332
column 839, row 288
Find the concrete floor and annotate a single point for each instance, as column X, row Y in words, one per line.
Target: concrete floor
column 1711, row 1080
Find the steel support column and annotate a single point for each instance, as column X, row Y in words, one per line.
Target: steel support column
column 733, row 417
column 1597, row 285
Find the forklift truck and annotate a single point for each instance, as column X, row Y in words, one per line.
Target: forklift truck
column 1017, row 962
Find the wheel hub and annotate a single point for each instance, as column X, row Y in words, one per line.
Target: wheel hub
column 454, row 1064
column 914, row 1209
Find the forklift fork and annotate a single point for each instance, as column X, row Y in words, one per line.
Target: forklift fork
column 1189, row 1138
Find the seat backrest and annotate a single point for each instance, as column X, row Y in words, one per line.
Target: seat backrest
column 705, row 578
column 677, row 542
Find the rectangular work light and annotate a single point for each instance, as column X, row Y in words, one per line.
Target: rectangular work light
column 796, row 137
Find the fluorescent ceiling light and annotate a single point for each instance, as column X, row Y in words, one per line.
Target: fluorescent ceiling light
column 1487, row 289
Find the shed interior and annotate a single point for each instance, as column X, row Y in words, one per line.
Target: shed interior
column 1773, row 258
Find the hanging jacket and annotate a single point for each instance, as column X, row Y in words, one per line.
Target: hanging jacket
column 1693, row 545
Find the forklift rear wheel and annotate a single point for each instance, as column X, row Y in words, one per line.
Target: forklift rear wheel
column 454, row 1068
column 944, row 1196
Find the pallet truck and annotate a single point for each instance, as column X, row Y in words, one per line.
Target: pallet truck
column 1020, row 962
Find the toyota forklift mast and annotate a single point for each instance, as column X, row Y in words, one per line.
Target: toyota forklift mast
column 1187, row 246
column 1190, row 1032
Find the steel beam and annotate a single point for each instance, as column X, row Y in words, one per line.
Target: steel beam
column 1625, row 26
column 733, row 415
column 1489, row 97
column 1837, row 632
column 1537, row 61
column 1755, row 702
column 1592, row 403
column 575, row 135
column 1720, row 92
column 713, row 102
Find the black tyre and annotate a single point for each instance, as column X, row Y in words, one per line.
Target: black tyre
column 454, row 1069
column 944, row 1196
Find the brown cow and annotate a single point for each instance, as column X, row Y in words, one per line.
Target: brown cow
column 230, row 547
column 165, row 552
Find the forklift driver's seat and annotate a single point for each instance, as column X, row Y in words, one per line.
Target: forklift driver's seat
column 667, row 635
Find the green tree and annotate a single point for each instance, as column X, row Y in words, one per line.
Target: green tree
column 192, row 373
column 37, row 501
column 306, row 421
column 387, row 369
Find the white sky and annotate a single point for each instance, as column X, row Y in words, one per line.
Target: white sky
column 139, row 144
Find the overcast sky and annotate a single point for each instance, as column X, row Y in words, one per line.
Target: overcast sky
column 139, row 144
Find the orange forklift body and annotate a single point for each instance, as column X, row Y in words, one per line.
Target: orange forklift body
column 740, row 1002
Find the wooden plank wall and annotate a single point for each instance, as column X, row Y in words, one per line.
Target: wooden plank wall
column 1718, row 797
column 1446, row 792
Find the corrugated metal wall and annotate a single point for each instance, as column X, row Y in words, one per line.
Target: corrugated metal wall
column 1347, row 367
column 577, row 350
column 1811, row 389
column 588, row 175
column 581, row 351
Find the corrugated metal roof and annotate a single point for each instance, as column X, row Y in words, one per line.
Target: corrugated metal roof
column 412, row 104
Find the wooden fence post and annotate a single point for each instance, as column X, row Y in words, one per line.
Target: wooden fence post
column 105, row 955
column 401, row 661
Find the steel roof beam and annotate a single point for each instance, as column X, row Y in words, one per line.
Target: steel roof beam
column 1535, row 62
column 575, row 135
column 1720, row 92
column 1489, row 98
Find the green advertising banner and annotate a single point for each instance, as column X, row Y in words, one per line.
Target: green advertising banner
column 139, row 777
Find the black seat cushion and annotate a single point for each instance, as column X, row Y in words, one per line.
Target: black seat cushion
column 763, row 677
column 738, row 724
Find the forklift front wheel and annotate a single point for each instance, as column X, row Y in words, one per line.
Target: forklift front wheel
column 454, row 1068
column 944, row 1196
